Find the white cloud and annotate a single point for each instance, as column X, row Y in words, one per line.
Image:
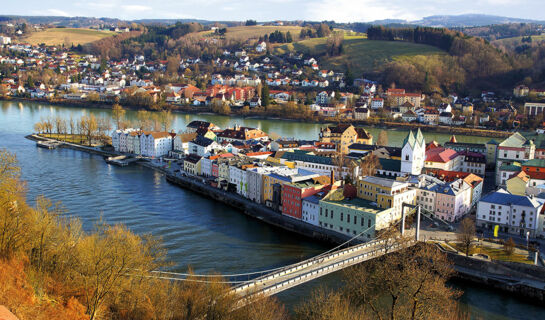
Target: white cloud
column 56, row 12
column 136, row 8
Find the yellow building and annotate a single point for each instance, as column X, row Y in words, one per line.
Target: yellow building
column 343, row 135
column 386, row 193
column 518, row 183
column 192, row 164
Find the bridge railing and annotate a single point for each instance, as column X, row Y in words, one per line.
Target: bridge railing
column 307, row 263
column 286, row 284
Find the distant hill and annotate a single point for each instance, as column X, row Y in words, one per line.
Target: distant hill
column 468, row 20
column 69, row 22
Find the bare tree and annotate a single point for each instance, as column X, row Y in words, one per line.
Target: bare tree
column 369, row 165
column 382, row 138
column 509, row 246
column 466, row 234
column 118, row 114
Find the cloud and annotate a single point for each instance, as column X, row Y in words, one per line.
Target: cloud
column 56, row 12
column 136, row 8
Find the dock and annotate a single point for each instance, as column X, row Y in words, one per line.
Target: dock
column 48, row 144
column 121, row 161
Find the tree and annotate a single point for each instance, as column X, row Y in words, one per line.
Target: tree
column 466, row 233
column 118, row 113
column 382, row 138
column 165, row 118
column 265, row 95
column 324, row 305
column 407, row 284
column 369, row 165
column 509, row 246
column 88, row 127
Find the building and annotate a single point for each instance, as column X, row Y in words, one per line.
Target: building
column 514, row 214
column 453, row 200
column 181, row 143
column 361, row 114
column 354, row 216
column 518, row 183
column 241, row 134
column 155, row 144
column 413, row 153
column 521, row 91
column 293, row 194
column 491, row 153
column 311, row 209
column 534, row 109
column 514, row 149
column 202, row 146
column 473, row 162
column 5, row 40
column 377, row 103
column 535, row 169
column 443, row 159
column 386, row 193
column 133, row 142
column 192, row 164
column 343, row 135
column 273, row 181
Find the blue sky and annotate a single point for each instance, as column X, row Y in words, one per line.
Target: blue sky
column 264, row 10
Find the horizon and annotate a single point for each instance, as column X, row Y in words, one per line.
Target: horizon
column 285, row 10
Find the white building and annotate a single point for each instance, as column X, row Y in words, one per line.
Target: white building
column 311, row 209
column 262, row 47
column 512, row 213
column 155, row 144
column 133, row 142
column 202, row 146
column 413, row 153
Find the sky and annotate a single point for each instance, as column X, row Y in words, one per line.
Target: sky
column 267, row 10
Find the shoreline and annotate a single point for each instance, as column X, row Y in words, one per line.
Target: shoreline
column 386, row 125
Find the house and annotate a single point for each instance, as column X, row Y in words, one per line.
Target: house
column 202, row 146
column 514, row 214
column 386, row 193
column 255, row 102
column 294, row 192
column 241, row 134
column 518, row 183
column 445, row 118
column 361, row 113
column 409, row 116
column 5, row 40
column 514, row 149
column 473, row 162
column 261, row 47
column 521, row 91
column 311, row 209
column 343, row 135
column 195, row 125
column 377, row 103
column 181, row 143
column 443, row 159
column 192, row 164
column 172, row 97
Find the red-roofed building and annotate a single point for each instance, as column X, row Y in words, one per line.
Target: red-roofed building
column 444, row 159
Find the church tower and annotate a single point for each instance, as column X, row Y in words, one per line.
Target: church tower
column 413, row 153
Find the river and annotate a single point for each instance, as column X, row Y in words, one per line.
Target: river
column 196, row 231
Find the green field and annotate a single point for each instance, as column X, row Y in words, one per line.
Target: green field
column 360, row 54
column 66, row 36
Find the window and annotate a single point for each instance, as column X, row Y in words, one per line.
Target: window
column 362, row 221
column 355, row 220
column 348, row 218
column 342, row 216
column 369, row 223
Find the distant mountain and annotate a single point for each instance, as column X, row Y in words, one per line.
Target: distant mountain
column 468, row 20
column 72, row 22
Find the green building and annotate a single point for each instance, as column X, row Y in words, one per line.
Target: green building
column 352, row 216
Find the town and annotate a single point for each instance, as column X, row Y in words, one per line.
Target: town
column 300, row 179
column 250, row 80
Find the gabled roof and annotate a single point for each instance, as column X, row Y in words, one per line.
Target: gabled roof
column 516, row 140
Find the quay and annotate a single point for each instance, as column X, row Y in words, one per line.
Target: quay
column 48, row 144
column 121, row 161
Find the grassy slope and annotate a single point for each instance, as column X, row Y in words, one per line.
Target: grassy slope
column 57, row 36
column 360, row 54
column 254, row 32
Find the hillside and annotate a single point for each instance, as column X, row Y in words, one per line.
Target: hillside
column 360, row 54
column 66, row 36
column 516, row 41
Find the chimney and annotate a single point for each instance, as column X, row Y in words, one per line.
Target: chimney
column 332, row 177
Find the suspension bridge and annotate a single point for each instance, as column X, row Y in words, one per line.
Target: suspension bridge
column 272, row 281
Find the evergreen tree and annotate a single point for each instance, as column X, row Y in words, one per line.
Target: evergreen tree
column 265, row 95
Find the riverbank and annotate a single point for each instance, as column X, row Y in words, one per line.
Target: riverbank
column 389, row 125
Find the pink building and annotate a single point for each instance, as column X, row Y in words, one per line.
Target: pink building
column 453, row 200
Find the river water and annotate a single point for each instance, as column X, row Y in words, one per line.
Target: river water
column 196, row 231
